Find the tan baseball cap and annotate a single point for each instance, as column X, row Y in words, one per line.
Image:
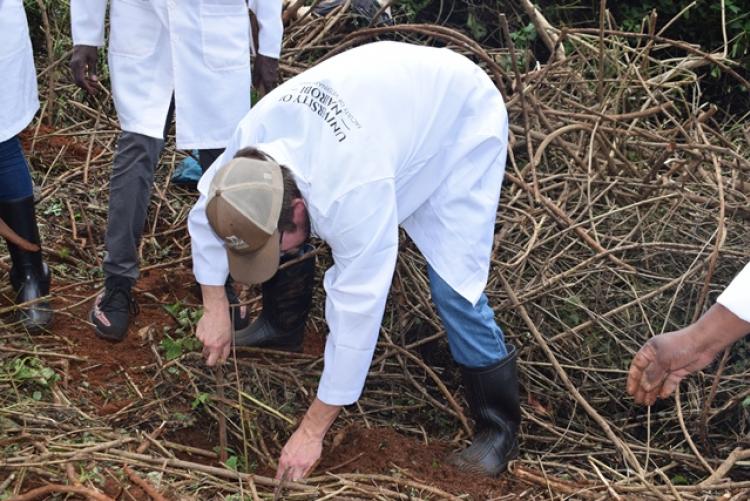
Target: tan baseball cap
column 243, row 207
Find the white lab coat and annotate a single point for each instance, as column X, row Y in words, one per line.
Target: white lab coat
column 736, row 297
column 18, row 91
column 200, row 50
column 383, row 135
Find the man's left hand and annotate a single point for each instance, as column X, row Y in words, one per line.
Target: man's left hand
column 300, row 455
column 302, row 452
column 265, row 73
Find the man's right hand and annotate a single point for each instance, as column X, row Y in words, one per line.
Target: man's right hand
column 665, row 360
column 660, row 365
column 83, row 66
column 215, row 327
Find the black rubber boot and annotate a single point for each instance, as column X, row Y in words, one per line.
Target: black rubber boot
column 238, row 313
column 29, row 275
column 287, row 298
column 492, row 394
column 113, row 308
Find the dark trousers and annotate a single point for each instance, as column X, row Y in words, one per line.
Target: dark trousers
column 130, row 187
column 15, row 180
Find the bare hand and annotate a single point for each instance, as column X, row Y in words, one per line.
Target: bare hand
column 215, row 332
column 300, row 455
column 265, row 73
column 660, row 365
column 83, row 66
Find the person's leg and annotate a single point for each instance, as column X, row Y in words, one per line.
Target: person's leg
column 29, row 275
column 474, row 337
column 489, row 375
column 287, row 299
column 129, row 196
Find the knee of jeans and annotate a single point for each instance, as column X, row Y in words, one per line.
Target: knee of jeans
column 439, row 288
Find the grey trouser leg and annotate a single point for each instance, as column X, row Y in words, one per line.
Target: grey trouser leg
column 207, row 157
column 129, row 195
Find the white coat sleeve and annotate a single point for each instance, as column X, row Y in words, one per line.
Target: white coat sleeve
column 270, row 26
column 736, row 297
column 210, row 265
column 362, row 231
column 87, row 22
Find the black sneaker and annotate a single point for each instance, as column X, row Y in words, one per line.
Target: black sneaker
column 112, row 309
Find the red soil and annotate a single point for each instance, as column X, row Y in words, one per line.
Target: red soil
column 48, row 144
column 354, row 449
column 386, row 451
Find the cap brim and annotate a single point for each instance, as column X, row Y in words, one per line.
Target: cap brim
column 255, row 267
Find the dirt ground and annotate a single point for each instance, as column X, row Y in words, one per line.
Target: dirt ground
column 104, row 379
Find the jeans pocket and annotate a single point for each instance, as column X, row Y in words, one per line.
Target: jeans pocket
column 135, row 29
column 225, row 35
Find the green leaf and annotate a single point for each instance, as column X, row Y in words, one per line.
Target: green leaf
column 477, row 28
column 37, row 395
column 680, row 479
column 173, row 309
column 172, row 349
column 231, row 463
column 201, row 399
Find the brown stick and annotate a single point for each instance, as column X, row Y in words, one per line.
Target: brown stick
column 7, row 233
column 212, row 470
column 144, row 484
column 564, row 220
column 737, row 454
column 51, row 79
column 146, row 443
column 41, row 492
column 221, row 407
column 554, row 485
column 544, row 29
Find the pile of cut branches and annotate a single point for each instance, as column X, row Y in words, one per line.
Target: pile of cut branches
column 624, row 212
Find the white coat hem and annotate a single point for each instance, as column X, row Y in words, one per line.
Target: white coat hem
column 738, row 306
column 208, row 145
column 269, row 53
column 14, row 129
column 333, row 397
column 206, row 277
column 98, row 44
column 157, row 134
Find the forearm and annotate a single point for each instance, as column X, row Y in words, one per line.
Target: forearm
column 319, row 418
column 210, row 265
column 214, row 298
column 718, row 328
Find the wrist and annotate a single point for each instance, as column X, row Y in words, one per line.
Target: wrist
column 717, row 329
column 214, row 298
column 318, row 419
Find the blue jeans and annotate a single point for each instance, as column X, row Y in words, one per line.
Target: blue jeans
column 15, row 180
column 474, row 337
